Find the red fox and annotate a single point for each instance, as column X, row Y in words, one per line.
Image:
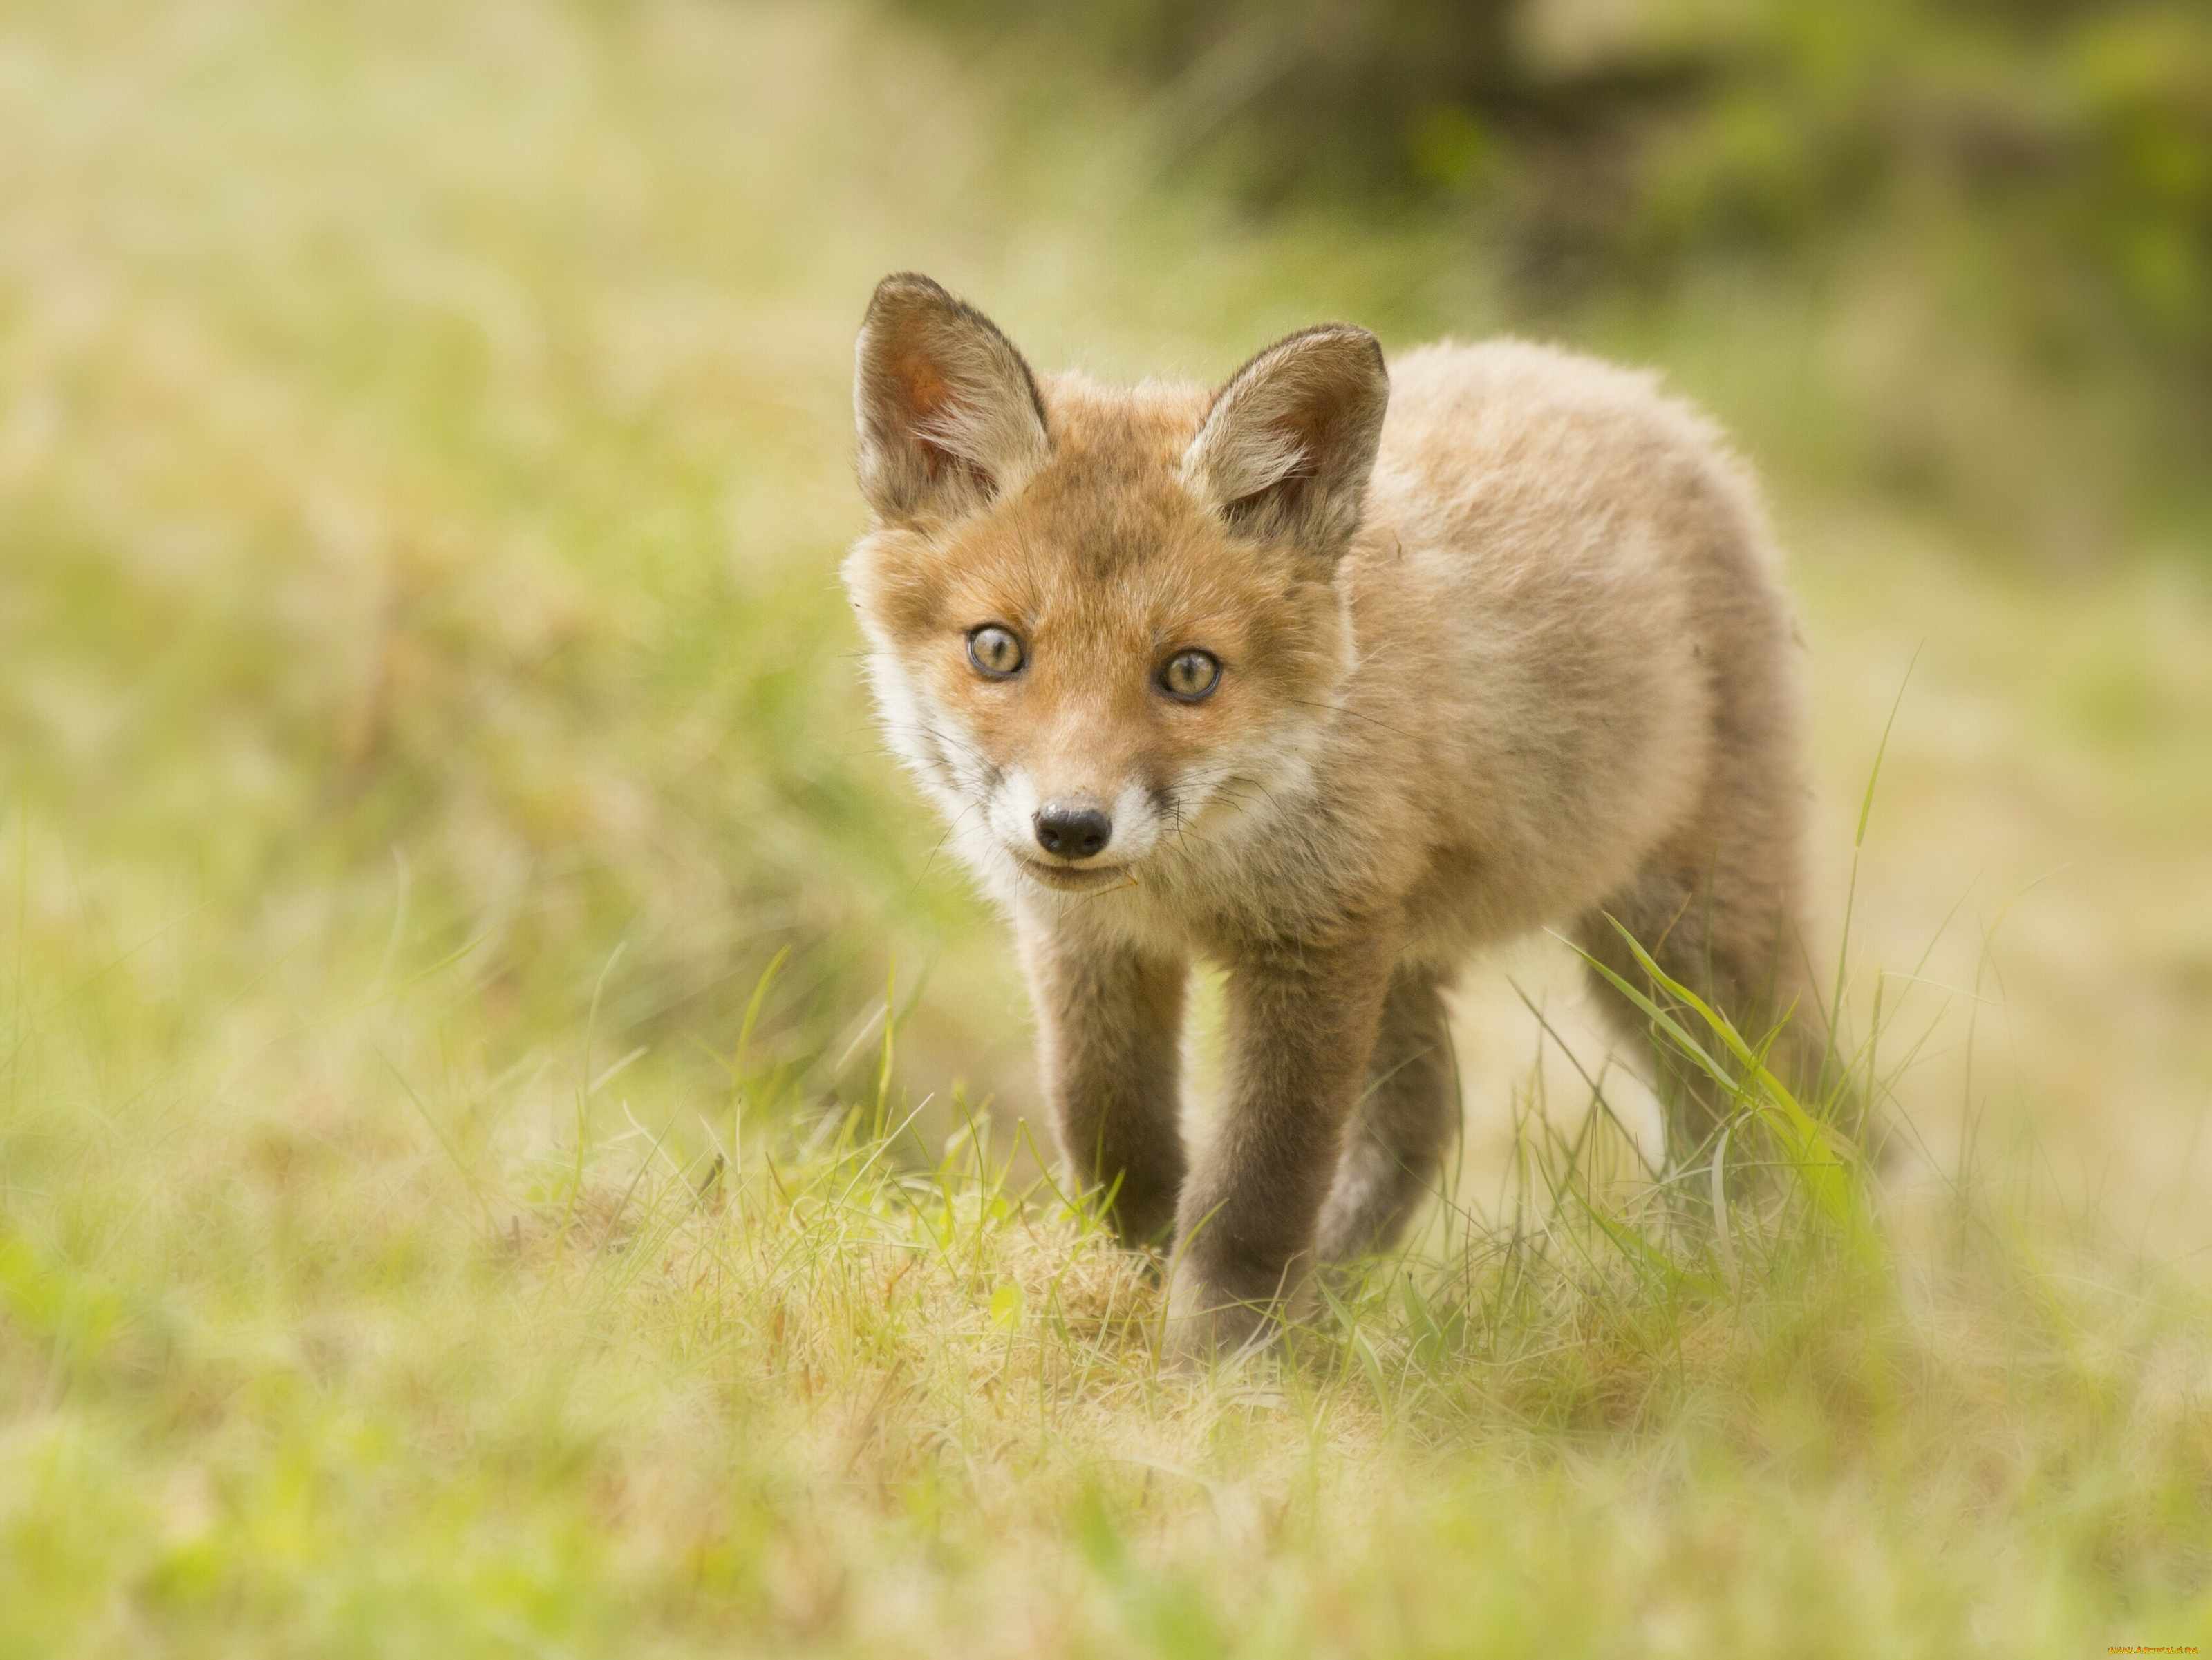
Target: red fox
column 1331, row 676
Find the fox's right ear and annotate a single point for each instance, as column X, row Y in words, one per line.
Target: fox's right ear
column 1287, row 446
column 949, row 413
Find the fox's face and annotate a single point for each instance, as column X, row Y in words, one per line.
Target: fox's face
column 1105, row 624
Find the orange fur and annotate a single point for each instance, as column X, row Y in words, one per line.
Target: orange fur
column 1510, row 654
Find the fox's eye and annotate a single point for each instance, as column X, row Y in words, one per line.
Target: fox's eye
column 995, row 650
column 1190, row 675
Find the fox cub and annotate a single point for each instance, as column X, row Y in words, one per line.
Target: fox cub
column 1331, row 675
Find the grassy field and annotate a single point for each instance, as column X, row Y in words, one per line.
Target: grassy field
column 460, row 1191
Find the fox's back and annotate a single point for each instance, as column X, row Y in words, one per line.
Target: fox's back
column 1561, row 590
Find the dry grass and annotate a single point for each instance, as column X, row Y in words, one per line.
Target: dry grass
column 371, row 1354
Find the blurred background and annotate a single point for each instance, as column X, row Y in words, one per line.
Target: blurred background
column 425, row 457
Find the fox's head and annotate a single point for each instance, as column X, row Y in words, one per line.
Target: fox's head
column 1105, row 624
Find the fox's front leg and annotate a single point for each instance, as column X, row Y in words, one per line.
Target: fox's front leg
column 1302, row 1020
column 1109, row 1024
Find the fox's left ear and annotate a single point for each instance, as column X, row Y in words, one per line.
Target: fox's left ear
column 1287, row 446
column 948, row 413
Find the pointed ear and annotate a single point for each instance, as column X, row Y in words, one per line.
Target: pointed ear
column 1287, row 446
column 949, row 413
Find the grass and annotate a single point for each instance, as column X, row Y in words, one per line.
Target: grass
column 392, row 1353
column 509, row 1134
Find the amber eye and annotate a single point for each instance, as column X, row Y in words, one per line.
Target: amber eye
column 995, row 652
column 1190, row 675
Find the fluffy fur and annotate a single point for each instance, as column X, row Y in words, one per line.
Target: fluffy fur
column 1501, row 647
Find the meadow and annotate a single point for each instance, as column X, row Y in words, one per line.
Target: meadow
column 514, row 1140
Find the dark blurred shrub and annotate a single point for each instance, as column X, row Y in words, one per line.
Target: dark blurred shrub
column 2053, row 158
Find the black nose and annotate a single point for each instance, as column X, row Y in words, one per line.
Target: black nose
column 1074, row 833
